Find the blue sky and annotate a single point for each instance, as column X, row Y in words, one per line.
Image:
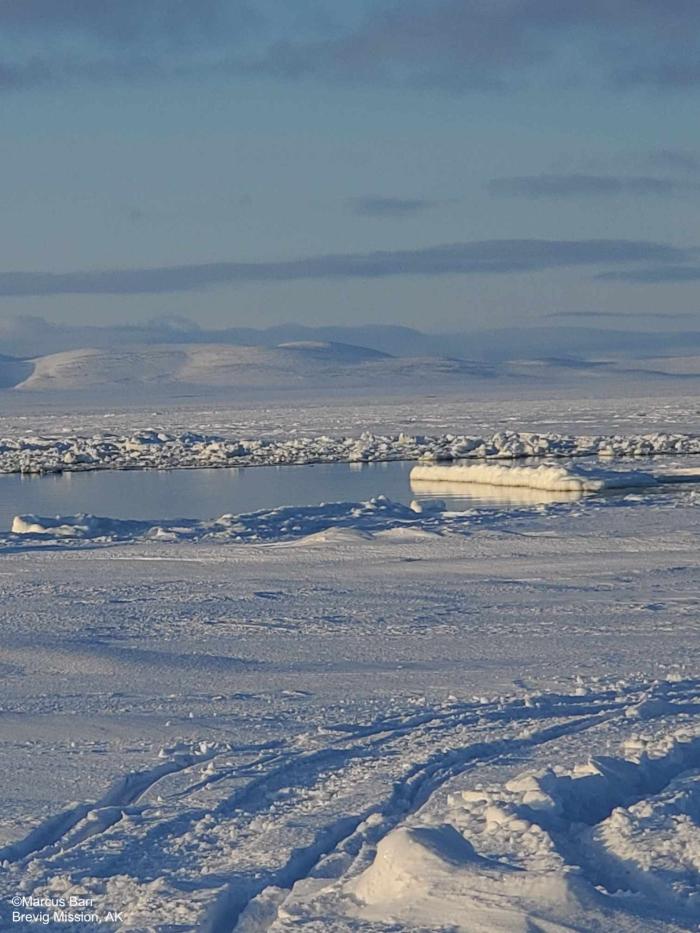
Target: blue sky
column 447, row 165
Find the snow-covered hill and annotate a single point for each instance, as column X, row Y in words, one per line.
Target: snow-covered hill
column 164, row 371
column 297, row 364
column 208, row 364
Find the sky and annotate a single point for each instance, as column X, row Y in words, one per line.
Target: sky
column 440, row 164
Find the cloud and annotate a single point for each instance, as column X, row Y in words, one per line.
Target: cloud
column 654, row 275
column 472, row 44
column 50, row 42
column 481, row 257
column 581, row 185
column 451, row 44
column 583, row 314
column 389, row 207
column 668, row 74
column 676, row 160
column 128, row 23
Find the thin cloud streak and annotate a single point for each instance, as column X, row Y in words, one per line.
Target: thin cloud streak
column 389, row 206
column 461, row 45
column 578, row 185
column 484, row 257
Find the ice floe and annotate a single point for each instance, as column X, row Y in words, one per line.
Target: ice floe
column 550, row 477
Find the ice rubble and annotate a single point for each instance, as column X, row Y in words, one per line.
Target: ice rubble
column 551, row 477
column 159, row 449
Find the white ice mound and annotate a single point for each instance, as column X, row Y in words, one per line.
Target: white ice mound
column 415, row 856
column 552, row 477
column 74, row 526
column 431, row 877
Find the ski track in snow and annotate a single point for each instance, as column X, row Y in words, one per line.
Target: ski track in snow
column 415, row 756
column 103, row 813
column 412, row 792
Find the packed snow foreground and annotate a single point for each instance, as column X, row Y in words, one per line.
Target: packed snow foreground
column 158, row 449
column 358, row 717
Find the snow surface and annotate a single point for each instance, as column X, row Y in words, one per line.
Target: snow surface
column 360, row 717
column 538, row 851
column 283, row 416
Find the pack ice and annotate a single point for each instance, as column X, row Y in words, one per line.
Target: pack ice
column 159, row 449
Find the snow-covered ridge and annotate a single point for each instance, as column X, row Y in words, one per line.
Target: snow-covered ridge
column 287, row 523
column 158, row 449
column 337, row 521
column 551, row 477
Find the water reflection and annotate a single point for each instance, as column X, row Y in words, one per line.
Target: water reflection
column 467, row 495
column 197, row 494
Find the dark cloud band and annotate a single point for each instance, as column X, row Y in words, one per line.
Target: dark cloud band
column 484, row 257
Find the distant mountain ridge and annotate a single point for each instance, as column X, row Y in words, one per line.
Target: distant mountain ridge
column 33, row 337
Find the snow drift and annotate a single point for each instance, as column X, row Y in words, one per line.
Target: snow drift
column 431, row 875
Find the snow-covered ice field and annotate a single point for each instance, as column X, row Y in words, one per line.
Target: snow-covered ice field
column 362, row 717
column 348, row 413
